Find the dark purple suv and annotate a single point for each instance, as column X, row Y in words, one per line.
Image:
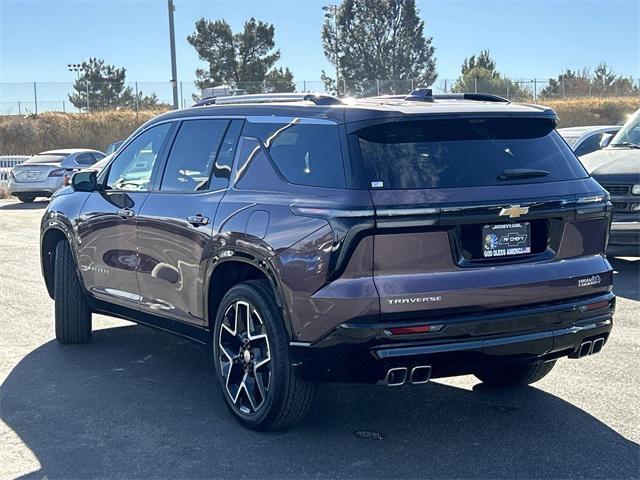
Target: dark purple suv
column 390, row 240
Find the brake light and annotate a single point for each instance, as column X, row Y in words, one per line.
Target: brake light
column 58, row 172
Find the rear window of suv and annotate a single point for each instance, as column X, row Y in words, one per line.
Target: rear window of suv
column 466, row 153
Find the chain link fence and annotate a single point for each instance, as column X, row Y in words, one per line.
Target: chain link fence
column 36, row 97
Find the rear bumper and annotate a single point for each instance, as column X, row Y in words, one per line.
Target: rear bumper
column 364, row 353
column 44, row 188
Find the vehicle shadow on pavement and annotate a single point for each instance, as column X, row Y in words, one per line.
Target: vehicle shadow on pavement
column 141, row 403
column 626, row 279
column 24, row 206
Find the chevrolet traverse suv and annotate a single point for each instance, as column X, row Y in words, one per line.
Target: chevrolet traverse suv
column 304, row 239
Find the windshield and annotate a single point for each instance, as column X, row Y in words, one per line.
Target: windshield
column 571, row 140
column 47, row 158
column 629, row 133
column 466, row 153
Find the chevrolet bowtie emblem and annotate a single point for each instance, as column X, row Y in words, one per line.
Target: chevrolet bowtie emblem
column 514, row 211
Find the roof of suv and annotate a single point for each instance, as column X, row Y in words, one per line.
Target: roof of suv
column 355, row 110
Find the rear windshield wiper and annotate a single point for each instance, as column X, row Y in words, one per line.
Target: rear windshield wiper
column 625, row 144
column 515, row 173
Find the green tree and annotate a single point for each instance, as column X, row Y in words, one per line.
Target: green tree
column 582, row 83
column 242, row 60
column 570, row 83
column 479, row 74
column 483, row 60
column 377, row 46
column 603, row 77
column 279, row 80
column 105, row 86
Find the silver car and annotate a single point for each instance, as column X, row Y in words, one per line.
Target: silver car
column 44, row 173
column 583, row 140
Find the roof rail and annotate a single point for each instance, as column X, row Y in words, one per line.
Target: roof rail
column 426, row 95
column 317, row 98
column 479, row 97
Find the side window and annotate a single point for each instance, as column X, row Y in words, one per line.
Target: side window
column 304, row 153
column 193, row 155
column 85, row 159
column 590, row 144
column 132, row 169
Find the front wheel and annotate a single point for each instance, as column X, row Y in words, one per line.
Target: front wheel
column 515, row 375
column 251, row 354
column 72, row 312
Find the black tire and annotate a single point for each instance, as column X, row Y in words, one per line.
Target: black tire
column 25, row 198
column 515, row 376
column 72, row 312
column 286, row 399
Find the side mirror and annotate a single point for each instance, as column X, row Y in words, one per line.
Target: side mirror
column 606, row 139
column 84, row 181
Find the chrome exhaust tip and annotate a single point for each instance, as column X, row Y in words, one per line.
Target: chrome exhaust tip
column 420, row 374
column 585, row 349
column 597, row 345
column 395, row 377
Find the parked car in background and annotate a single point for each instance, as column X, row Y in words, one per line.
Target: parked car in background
column 617, row 168
column 113, row 147
column 583, row 140
column 43, row 174
column 305, row 239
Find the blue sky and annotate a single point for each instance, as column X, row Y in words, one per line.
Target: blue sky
column 526, row 38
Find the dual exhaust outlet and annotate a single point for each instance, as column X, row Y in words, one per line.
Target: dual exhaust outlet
column 589, row 348
column 400, row 375
column 420, row 374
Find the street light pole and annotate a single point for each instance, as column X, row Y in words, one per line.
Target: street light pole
column 77, row 67
column 172, row 42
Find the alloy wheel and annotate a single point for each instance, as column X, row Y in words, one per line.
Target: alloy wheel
column 244, row 357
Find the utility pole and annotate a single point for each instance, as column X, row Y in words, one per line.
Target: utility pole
column 172, row 42
column 334, row 12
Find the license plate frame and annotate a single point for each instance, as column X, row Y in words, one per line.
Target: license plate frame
column 502, row 240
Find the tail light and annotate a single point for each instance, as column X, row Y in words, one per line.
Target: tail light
column 58, row 172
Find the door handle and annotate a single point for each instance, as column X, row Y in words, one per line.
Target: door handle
column 125, row 213
column 197, row 220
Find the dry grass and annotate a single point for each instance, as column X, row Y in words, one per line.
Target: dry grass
column 594, row 111
column 29, row 135
column 47, row 131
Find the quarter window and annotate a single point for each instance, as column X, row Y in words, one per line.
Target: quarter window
column 304, row 153
column 132, row 169
column 193, row 155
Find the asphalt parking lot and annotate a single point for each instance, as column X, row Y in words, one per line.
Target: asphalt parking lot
column 136, row 403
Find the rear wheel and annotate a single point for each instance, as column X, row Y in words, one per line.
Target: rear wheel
column 26, row 198
column 72, row 312
column 515, row 376
column 251, row 354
